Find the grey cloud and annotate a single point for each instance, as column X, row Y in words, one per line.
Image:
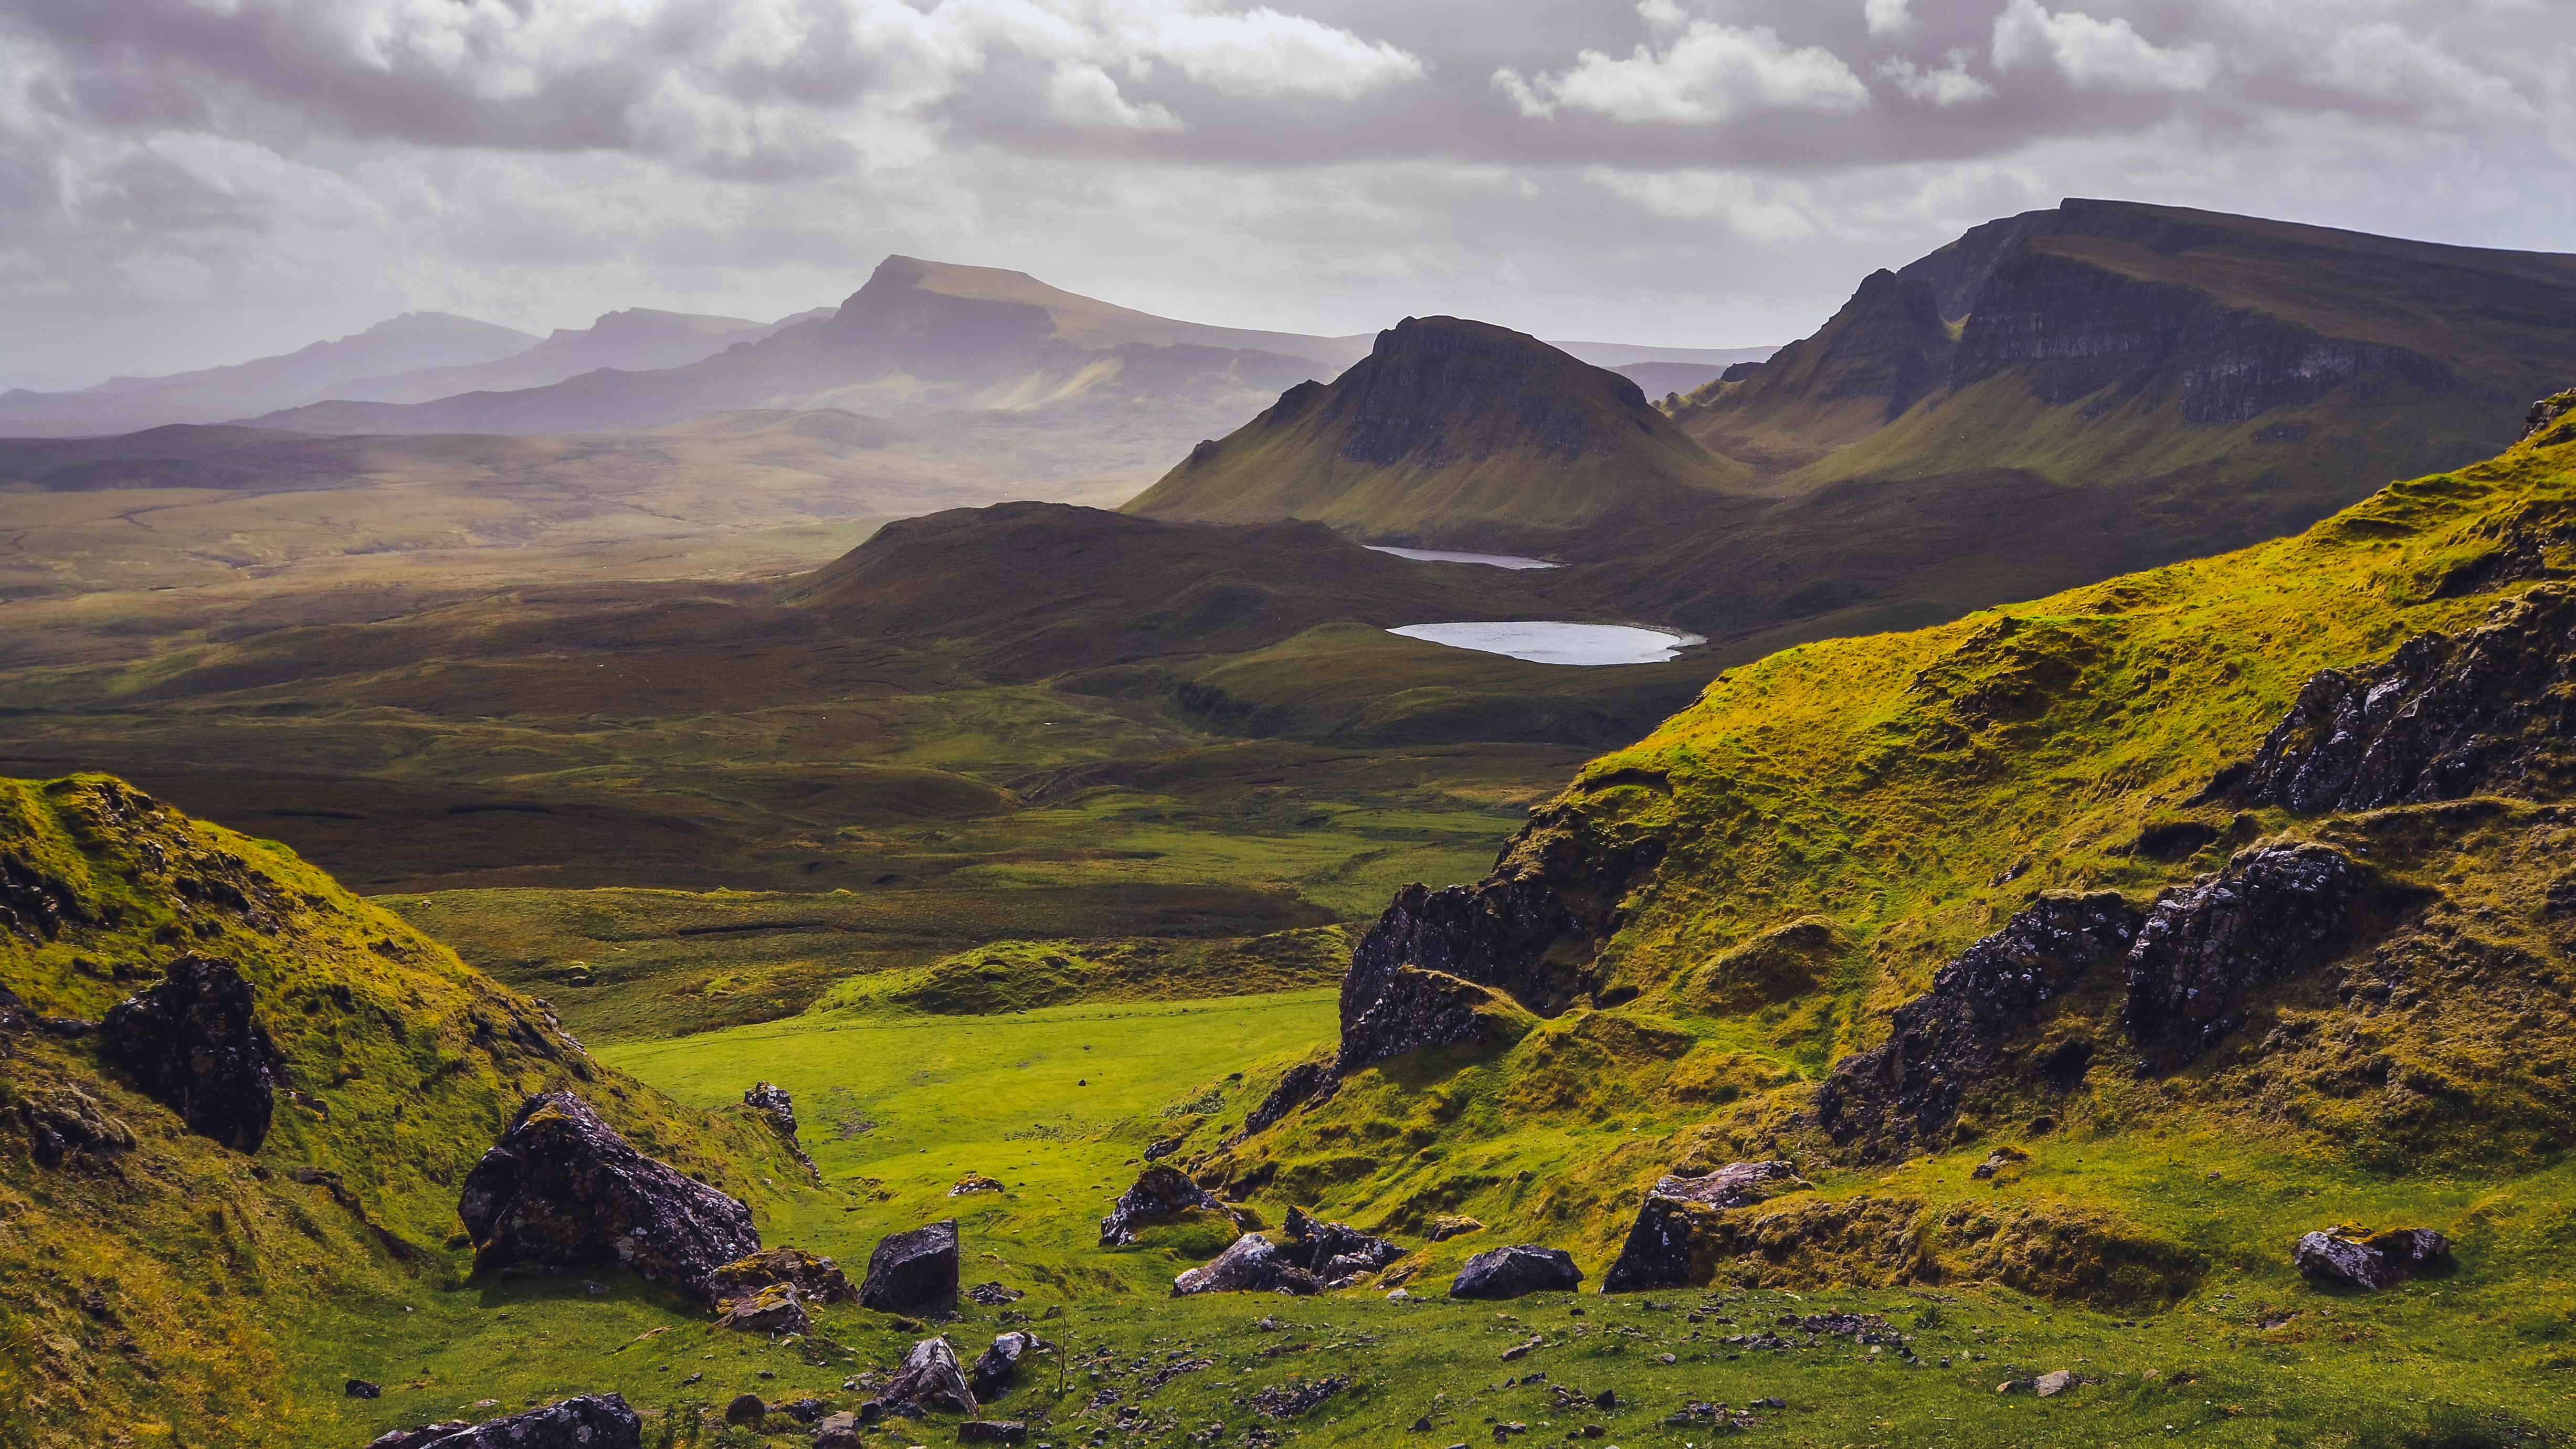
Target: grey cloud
column 239, row 178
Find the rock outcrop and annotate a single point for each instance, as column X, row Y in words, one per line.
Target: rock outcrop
column 2492, row 710
column 1895, row 1098
column 2271, row 912
column 1517, row 1270
column 562, row 1189
column 1161, row 1195
column 816, row 1280
column 1658, row 1252
column 929, row 1381
column 1335, row 1253
column 774, row 1308
column 1421, row 1009
column 991, row 1376
column 590, row 1421
column 1251, row 1265
column 2365, row 1259
column 778, row 1109
column 192, row 1044
column 914, row 1272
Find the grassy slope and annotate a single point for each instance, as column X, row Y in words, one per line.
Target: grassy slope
column 181, row 1292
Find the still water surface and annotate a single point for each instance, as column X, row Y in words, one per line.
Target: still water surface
column 1542, row 642
column 1442, row 555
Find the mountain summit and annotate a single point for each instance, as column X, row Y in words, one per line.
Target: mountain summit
column 1450, row 432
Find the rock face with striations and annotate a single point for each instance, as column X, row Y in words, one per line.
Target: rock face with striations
column 2492, row 709
column 1896, row 1098
column 914, row 1272
column 192, row 1045
column 1161, row 1195
column 1514, row 1271
column 561, row 1188
column 2273, row 911
column 590, row 1421
column 2366, row 1259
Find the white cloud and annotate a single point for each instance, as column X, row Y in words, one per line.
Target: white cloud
column 1707, row 72
column 2099, row 55
column 1949, row 85
column 2382, row 63
column 1886, row 17
column 1086, row 96
column 1262, row 52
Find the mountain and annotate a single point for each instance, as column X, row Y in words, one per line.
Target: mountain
column 1451, row 433
column 638, row 339
column 931, row 336
column 2112, row 342
column 406, row 343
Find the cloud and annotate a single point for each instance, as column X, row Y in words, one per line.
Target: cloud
column 1706, row 72
column 1886, row 17
column 1086, row 96
column 1949, row 85
column 2098, row 55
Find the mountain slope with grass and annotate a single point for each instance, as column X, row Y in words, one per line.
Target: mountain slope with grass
column 2195, row 909
column 1451, row 433
column 213, row 1275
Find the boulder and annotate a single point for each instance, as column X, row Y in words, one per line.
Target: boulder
column 746, row 1409
column 561, row 1188
column 1513, row 1271
column 1665, row 1247
column 914, row 1272
column 817, row 1280
column 777, row 1308
column 772, row 1104
column 2050, row 1385
column 590, row 1421
column 2271, row 912
column 191, row 1044
column 975, row 1182
column 838, row 1431
column 361, row 1389
column 1160, row 1195
column 1335, row 1253
column 994, row 1371
column 1251, row 1265
column 929, row 1380
column 1737, row 1184
column 2364, row 1259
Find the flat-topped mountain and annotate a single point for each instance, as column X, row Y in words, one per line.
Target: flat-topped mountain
column 1455, row 433
column 920, row 334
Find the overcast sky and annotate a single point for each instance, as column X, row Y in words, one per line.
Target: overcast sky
column 188, row 182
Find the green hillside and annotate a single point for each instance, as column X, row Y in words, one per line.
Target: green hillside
column 163, row 1288
column 1451, row 433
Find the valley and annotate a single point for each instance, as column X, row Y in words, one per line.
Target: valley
column 1958, row 884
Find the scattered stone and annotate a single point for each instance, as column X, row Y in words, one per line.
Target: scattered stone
column 777, row 1308
column 1513, row 1271
column 994, row 1295
column 190, row 1043
column 1161, row 1195
column 1896, row 1098
column 561, row 1187
column 1399, row 1296
column 1282, row 1402
column 992, row 1431
column 803, row 1411
column 1445, row 1228
column 361, row 1389
column 2050, row 1385
column 588, row 1421
column 929, row 1380
column 975, row 1182
column 994, row 1371
column 1666, row 1358
column 914, row 1272
column 816, row 1280
column 2016, row 1386
column 1997, row 1160
column 1251, row 1265
column 2364, row 1259
column 1524, row 1346
column 838, row 1431
column 745, row 1409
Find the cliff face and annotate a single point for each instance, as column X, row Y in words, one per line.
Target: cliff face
column 2074, row 329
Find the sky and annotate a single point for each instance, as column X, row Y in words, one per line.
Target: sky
column 192, row 182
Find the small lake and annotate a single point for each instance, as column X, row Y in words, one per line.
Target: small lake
column 1442, row 555
column 1547, row 643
